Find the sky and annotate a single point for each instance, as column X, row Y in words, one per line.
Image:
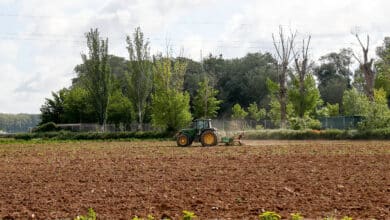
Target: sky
column 41, row 40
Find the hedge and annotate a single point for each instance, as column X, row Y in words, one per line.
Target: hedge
column 377, row 134
column 67, row 135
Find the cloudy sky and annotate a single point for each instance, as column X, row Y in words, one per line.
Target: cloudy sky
column 41, row 40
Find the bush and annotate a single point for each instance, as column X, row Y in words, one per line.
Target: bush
column 187, row 215
column 296, row 216
column 49, row 126
column 269, row 216
column 90, row 216
column 259, row 127
column 376, row 134
column 297, row 123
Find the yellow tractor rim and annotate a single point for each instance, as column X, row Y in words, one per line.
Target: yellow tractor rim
column 208, row 138
column 183, row 140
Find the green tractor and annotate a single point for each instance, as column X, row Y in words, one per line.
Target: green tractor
column 200, row 131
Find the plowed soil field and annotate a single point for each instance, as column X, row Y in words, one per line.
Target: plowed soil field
column 122, row 179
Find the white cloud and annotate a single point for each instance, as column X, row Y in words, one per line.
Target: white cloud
column 50, row 38
column 9, row 51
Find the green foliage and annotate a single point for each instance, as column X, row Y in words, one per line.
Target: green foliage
column 382, row 79
column 205, row 103
column 329, row 110
column 139, row 78
column 239, row 80
column 300, row 134
column 90, row 216
column 187, row 215
column 346, row 218
column 296, row 216
column 306, row 122
column 78, row 106
column 355, row 103
column 149, row 217
column 274, row 112
column 334, row 75
column 307, row 103
column 47, row 127
column 53, row 109
column 334, row 110
column 238, row 112
column 171, row 110
column 269, row 216
column 274, row 104
column 67, row 135
column 120, row 109
column 97, row 78
column 255, row 113
column 378, row 115
column 170, row 106
column 331, row 134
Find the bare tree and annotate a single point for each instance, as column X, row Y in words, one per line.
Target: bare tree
column 301, row 61
column 283, row 47
column 367, row 67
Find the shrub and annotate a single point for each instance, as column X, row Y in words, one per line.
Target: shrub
column 296, row 216
column 90, row 216
column 187, row 215
column 269, row 216
column 259, row 127
column 47, row 127
column 149, row 217
column 297, row 123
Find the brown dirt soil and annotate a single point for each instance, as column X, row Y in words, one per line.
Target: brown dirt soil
column 123, row 179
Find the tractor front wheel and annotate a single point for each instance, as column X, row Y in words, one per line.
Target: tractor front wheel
column 183, row 140
column 208, row 138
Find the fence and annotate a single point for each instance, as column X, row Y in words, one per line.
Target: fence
column 341, row 122
column 241, row 125
column 108, row 127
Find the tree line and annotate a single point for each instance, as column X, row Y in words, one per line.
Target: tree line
column 285, row 86
column 13, row 123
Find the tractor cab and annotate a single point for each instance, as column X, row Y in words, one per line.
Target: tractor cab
column 200, row 131
column 200, row 124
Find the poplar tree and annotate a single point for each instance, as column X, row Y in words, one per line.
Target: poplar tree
column 97, row 77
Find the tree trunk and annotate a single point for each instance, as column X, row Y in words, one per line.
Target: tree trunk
column 283, row 97
column 367, row 68
column 139, row 117
column 370, row 81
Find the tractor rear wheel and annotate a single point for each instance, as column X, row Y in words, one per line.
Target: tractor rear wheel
column 183, row 140
column 208, row 138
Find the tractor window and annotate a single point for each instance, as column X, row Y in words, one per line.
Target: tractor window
column 200, row 125
column 209, row 124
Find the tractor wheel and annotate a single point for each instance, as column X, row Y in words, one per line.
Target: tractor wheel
column 208, row 138
column 183, row 140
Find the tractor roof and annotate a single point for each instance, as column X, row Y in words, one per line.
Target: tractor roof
column 203, row 119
